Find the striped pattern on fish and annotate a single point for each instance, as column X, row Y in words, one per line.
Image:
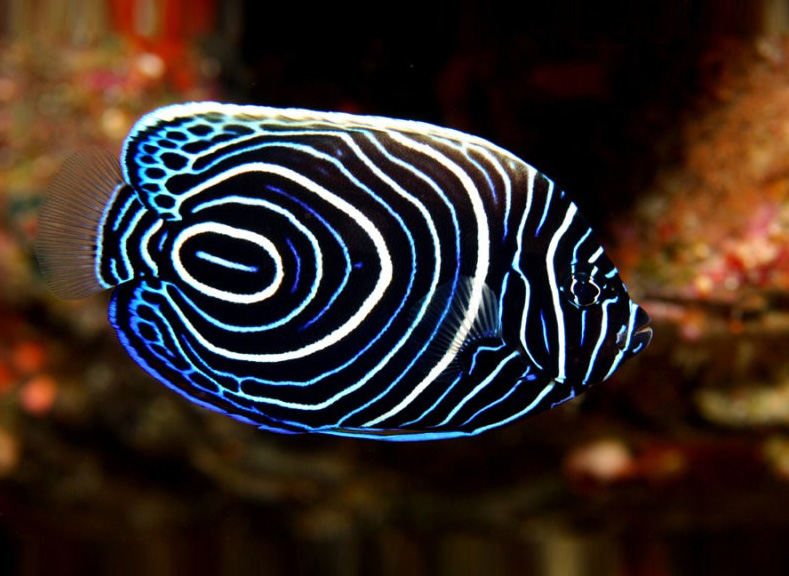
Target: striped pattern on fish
column 327, row 272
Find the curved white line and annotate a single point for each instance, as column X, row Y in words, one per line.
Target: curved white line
column 568, row 219
column 224, row 230
column 479, row 387
column 316, row 249
column 292, row 116
column 477, row 283
column 124, row 241
column 603, row 333
column 382, row 283
column 144, row 248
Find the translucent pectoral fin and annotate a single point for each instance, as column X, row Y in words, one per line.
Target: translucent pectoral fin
column 448, row 322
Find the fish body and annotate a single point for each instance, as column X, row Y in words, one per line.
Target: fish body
column 325, row 272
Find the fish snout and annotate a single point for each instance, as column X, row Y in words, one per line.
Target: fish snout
column 642, row 332
column 640, row 335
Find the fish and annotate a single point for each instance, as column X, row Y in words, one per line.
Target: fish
column 325, row 272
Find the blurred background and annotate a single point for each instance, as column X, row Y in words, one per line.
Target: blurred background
column 667, row 122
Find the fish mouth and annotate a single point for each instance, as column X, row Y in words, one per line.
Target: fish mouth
column 642, row 332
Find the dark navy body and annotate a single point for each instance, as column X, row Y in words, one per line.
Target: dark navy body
column 323, row 272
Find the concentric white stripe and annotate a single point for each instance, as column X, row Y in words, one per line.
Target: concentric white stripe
column 233, row 232
column 302, row 228
column 434, row 149
column 144, row 248
column 414, row 202
column 477, row 283
column 124, row 241
column 549, row 262
column 505, row 178
column 603, row 333
column 530, row 408
column 479, row 387
column 382, row 282
column 531, row 174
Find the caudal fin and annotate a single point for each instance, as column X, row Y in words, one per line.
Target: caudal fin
column 69, row 220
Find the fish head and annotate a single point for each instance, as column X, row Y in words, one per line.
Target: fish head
column 579, row 323
column 602, row 325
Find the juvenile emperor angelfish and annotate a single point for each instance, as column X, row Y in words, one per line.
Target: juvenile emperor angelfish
column 326, row 272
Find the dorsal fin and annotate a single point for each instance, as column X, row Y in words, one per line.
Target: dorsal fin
column 69, row 221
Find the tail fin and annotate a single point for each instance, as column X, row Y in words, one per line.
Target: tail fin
column 69, row 220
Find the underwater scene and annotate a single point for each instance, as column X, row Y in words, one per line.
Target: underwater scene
column 437, row 289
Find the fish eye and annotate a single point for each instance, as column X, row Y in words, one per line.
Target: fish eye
column 582, row 289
